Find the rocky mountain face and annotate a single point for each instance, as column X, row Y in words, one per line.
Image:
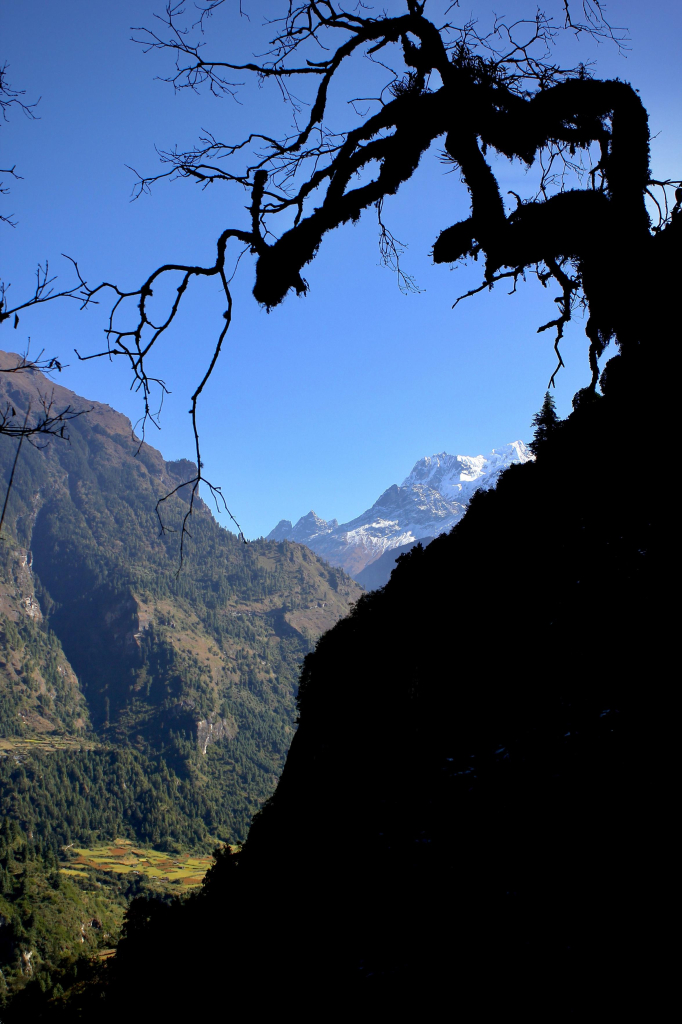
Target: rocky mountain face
column 104, row 645
column 430, row 501
column 39, row 689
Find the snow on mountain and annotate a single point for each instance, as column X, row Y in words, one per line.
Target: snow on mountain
column 456, row 477
column 430, row 501
column 307, row 527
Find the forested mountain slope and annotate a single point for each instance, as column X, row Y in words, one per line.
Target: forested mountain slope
column 135, row 702
column 103, row 640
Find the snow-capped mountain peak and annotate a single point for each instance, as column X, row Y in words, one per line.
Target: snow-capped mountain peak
column 458, row 476
column 430, row 501
column 305, row 529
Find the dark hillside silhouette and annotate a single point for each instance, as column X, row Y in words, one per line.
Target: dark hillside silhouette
column 462, row 809
column 378, row 573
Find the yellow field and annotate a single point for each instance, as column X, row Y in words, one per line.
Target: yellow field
column 44, row 742
column 124, row 857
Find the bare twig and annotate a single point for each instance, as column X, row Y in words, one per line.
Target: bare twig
column 12, row 98
column 27, row 363
column 569, row 289
column 136, row 342
column 49, row 423
column 391, row 250
column 215, row 491
column 43, row 292
column 14, row 467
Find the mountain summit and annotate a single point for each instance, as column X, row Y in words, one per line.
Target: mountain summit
column 307, row 526
column 430, row 501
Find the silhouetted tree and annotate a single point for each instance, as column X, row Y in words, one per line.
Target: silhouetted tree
column 545, row 422
column 585, row 228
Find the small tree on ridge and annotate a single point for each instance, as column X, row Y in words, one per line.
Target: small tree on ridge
column 545, row 422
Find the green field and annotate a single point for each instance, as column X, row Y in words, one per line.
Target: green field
column 125, row 857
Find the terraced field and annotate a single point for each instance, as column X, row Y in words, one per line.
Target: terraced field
column 45, row 743
column 124, row 857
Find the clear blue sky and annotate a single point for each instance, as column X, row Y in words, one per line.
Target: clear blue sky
column 329, row 399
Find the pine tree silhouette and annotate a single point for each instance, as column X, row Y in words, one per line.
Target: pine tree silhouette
column 545, row 422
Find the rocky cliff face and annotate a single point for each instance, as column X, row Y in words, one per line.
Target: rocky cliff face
column 211, row 732
column 430, row 501
column 39, row 691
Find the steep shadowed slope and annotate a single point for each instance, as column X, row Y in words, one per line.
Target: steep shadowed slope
column 378, row 573
column 478, row 753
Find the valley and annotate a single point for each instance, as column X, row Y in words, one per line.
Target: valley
column 141, row 709
column 122, row 857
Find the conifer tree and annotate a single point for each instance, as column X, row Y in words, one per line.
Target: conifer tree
column 545, row 422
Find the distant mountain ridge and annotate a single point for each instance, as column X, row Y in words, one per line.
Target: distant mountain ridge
column 430, row 501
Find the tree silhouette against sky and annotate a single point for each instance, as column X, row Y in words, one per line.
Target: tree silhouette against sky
column 447, row 83
column 479, row 94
